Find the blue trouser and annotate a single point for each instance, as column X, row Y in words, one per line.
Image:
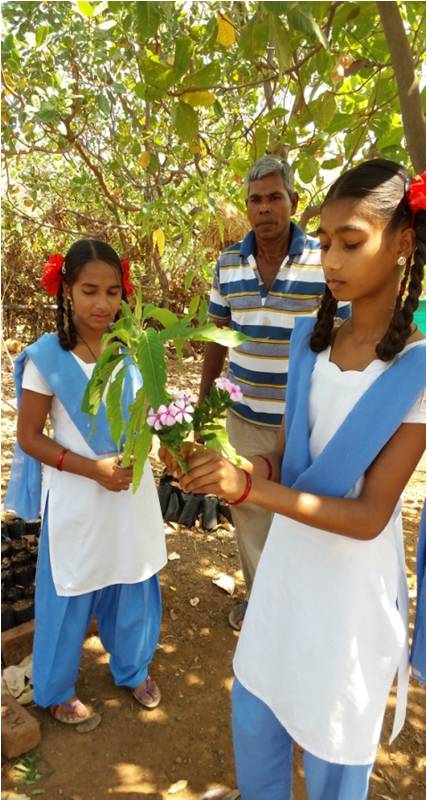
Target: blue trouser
column 128, row 618
column 263, row 757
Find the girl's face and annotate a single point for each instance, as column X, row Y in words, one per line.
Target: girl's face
column 96, row 296
column 359, row 257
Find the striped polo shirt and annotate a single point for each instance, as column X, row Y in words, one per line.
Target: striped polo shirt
column 240, row 299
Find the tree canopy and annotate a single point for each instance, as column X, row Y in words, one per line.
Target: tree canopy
column 134, row 120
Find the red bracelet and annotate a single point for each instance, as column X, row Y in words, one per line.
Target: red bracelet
column 270, row 469
column 60, row 458
column 246, row 491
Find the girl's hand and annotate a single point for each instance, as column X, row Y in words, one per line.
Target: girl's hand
column 111, row 476
column 170, row 461
column 210, row 473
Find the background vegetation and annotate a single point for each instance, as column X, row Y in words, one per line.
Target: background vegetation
column 137, row 122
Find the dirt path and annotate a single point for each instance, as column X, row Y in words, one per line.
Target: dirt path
column 136, row 754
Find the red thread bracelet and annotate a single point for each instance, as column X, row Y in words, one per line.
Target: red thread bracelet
column 246, row 491
column 60, row 458
column 270, row 469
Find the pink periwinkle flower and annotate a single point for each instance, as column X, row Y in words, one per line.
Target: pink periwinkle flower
column 233, row 390
column 164, row 416
column 186, row 395
column 182, row 411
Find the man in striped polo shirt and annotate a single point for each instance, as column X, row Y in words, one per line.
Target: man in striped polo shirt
column 260, row 285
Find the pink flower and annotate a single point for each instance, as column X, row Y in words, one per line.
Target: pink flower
column 233, row 390
column 187, row 395
column 153, row 419
column 183, row 411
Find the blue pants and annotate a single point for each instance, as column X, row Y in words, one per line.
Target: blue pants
column 263, row 757
column 128, row 618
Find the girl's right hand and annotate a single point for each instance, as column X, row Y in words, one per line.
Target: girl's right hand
column 111, row 476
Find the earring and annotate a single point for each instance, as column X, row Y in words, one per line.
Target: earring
column 401, row 261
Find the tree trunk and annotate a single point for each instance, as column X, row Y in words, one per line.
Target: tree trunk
column 410, row 101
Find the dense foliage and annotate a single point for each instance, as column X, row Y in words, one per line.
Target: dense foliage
column 131, row 121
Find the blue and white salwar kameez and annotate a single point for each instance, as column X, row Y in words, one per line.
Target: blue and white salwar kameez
column 326, row 629
column 100, row 551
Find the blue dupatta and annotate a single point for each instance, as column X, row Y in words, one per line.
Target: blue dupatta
column 68, row 382
column 371, row 423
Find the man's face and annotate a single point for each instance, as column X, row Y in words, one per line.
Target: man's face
column 270, row 206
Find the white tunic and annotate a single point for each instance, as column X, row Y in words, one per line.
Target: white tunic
column 96, row 537
column 323, row 637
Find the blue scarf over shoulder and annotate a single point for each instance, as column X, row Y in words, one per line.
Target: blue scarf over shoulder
column 370, row 424
column 68, row 382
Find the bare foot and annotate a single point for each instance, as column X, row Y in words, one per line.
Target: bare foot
column 71, row 712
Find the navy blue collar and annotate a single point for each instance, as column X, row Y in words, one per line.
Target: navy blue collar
column 296, row 245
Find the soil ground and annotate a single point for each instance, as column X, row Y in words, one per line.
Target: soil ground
column 137, row 754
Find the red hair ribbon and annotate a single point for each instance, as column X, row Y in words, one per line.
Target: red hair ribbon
column 416, row 193
column 127, row 284
column 52, row 276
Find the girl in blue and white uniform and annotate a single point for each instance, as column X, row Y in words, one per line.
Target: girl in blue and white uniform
column 101, row 546
column 327, row 629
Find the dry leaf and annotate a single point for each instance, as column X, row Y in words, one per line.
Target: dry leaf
column 226, row 35
column 225, row 583
column 180, row 785
column 174, row 555
column 173, row 614
column 159, row 240
column 194, row 601
column 171, row 587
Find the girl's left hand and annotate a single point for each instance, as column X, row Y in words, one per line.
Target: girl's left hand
column 210, row 473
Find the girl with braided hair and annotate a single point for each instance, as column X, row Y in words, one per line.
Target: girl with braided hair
column 326, row 629
column 101, row 547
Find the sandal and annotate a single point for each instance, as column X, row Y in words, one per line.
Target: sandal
column 147, row 694
column 72, row 706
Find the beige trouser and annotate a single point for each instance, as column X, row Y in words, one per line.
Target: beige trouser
column 252, row 523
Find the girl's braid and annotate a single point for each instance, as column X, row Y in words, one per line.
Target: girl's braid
column 72, row 331
column 322, row 331
column 60, row 320
column 399, row 329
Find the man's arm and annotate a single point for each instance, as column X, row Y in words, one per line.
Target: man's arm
column 219, row 313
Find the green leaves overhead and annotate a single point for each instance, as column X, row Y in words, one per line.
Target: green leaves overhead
column 204, row 78
column 254, row 36
column 186, row 122
column 302, row 20
column 280, row 38
column 147, row 18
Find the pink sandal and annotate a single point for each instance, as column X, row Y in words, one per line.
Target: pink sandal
column 73, row 706
column 148, row 694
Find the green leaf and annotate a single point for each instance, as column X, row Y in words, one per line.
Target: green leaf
column 114, row 406
column 307, row 169
column 95, row 388
column 281, row 40
column 260, row 141
column 240, row 166
column 86, row 9
column 275, row 7
column 142, row 448
column 148, row 18
column 139, row 90
column 323, row 110
column 216, row 438
column 303, row 21
column 107, row 25
column 166, row 317
column 254, row 36
column 223, row 336
column 186, row 122
column 188, row 279
column 46, row 114
column 183, row 53
column 204, row 78
column 203, row 312
column 42, row 32
column 157, row 74
column 192, row 309
column 152, row 364
column 103, row 104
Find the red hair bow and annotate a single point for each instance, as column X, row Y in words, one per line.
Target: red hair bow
column 416, row 193
column 52, row 276
column 127, row 284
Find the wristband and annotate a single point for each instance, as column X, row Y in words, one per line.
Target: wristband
column 60, row 458
column 270, row 469
column 246, row 491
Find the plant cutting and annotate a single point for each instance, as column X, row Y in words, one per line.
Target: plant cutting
column 133, row 343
